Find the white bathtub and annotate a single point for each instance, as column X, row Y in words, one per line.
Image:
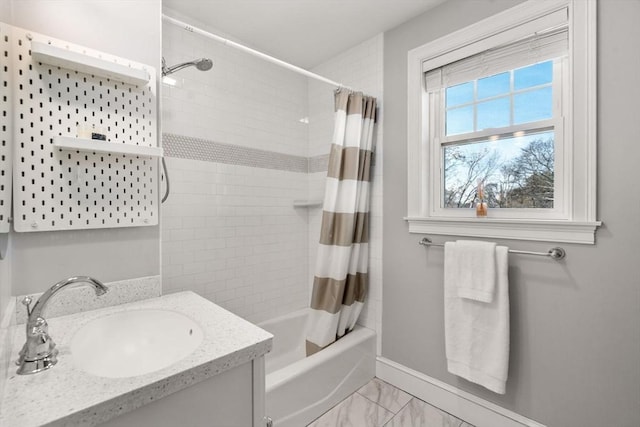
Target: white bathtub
column 300, row 389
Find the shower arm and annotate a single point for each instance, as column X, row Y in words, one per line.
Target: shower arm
column 170, row 70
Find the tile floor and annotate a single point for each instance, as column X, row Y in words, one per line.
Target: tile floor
column 379, row 404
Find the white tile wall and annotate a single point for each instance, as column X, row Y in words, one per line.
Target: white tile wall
column 230, row 232
column 242, row 100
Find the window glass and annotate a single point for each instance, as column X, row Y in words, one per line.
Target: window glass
column 516, row 172
column 514, row 97
column 498, row 84
column 459, row 94
column 533, row 75
column 494, row 114
column 460, row 120
column 533, row 105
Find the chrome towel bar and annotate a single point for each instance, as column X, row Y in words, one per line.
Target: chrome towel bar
column 556, row 253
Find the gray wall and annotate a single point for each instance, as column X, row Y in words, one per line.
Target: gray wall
column 5, row 11
column 5, row 274
column 5, row 264
column 575, row 341
column 5, row 267
column 131, row 29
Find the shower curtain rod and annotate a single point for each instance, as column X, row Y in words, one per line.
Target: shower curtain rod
column 253, row 52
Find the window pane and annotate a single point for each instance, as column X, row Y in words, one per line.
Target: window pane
column 459, row 94
column 494, row 114
column 533, row 105
column 533, row 75
column 460, row 120
column 517, row 172
column 494, row 85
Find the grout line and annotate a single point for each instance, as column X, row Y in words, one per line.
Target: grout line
column 375, row 403
column 395, row 414
column 389, row 385
column 400, row 410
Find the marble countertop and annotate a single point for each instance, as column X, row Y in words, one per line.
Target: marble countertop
column 67, row 396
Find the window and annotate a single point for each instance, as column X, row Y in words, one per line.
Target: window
column 503, row 113
column 497, row 125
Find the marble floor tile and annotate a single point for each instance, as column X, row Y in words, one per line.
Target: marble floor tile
column 354, row 411
column 420, row 414
column 385, row 395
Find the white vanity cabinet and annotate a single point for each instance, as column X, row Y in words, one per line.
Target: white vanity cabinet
column 220, row 384
column 234, row 398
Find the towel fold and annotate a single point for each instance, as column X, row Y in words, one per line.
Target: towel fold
column 477, row 333
column 476, row 263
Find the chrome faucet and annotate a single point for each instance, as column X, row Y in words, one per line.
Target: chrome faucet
column 39, row 351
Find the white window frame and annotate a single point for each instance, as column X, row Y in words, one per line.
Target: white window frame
column 574, row 219
column 437, row 135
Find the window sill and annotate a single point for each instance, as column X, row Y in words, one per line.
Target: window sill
column 517, row 229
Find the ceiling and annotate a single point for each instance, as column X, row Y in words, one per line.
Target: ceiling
column 303, row 32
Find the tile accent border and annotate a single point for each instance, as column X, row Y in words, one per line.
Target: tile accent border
column 76, row 300
column 319, row 163
column 466, row 406
column 186, row 147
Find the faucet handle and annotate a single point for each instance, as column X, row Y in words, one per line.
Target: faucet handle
column 27, row 303
column 40, row 327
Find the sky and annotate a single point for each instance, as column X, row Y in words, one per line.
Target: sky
column 514, row 97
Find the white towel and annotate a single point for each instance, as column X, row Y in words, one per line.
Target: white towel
column 476, row 263
column 477, row 333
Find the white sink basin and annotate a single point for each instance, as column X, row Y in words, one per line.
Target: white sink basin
column 136, row 342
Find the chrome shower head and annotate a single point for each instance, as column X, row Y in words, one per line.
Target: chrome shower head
column 202, row 64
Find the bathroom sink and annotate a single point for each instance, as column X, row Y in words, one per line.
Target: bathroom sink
column 135, row 342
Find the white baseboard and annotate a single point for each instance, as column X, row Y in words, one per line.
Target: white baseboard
column 466, row 406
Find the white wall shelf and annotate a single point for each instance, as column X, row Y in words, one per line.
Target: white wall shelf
column 65, row 183
column 97, row 146
column 307, row 203
column 65, row 58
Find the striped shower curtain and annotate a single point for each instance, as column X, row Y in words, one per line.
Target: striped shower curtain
column 341, row 278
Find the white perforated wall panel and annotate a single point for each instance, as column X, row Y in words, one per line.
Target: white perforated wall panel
column 5, row 127
column 55, row 189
